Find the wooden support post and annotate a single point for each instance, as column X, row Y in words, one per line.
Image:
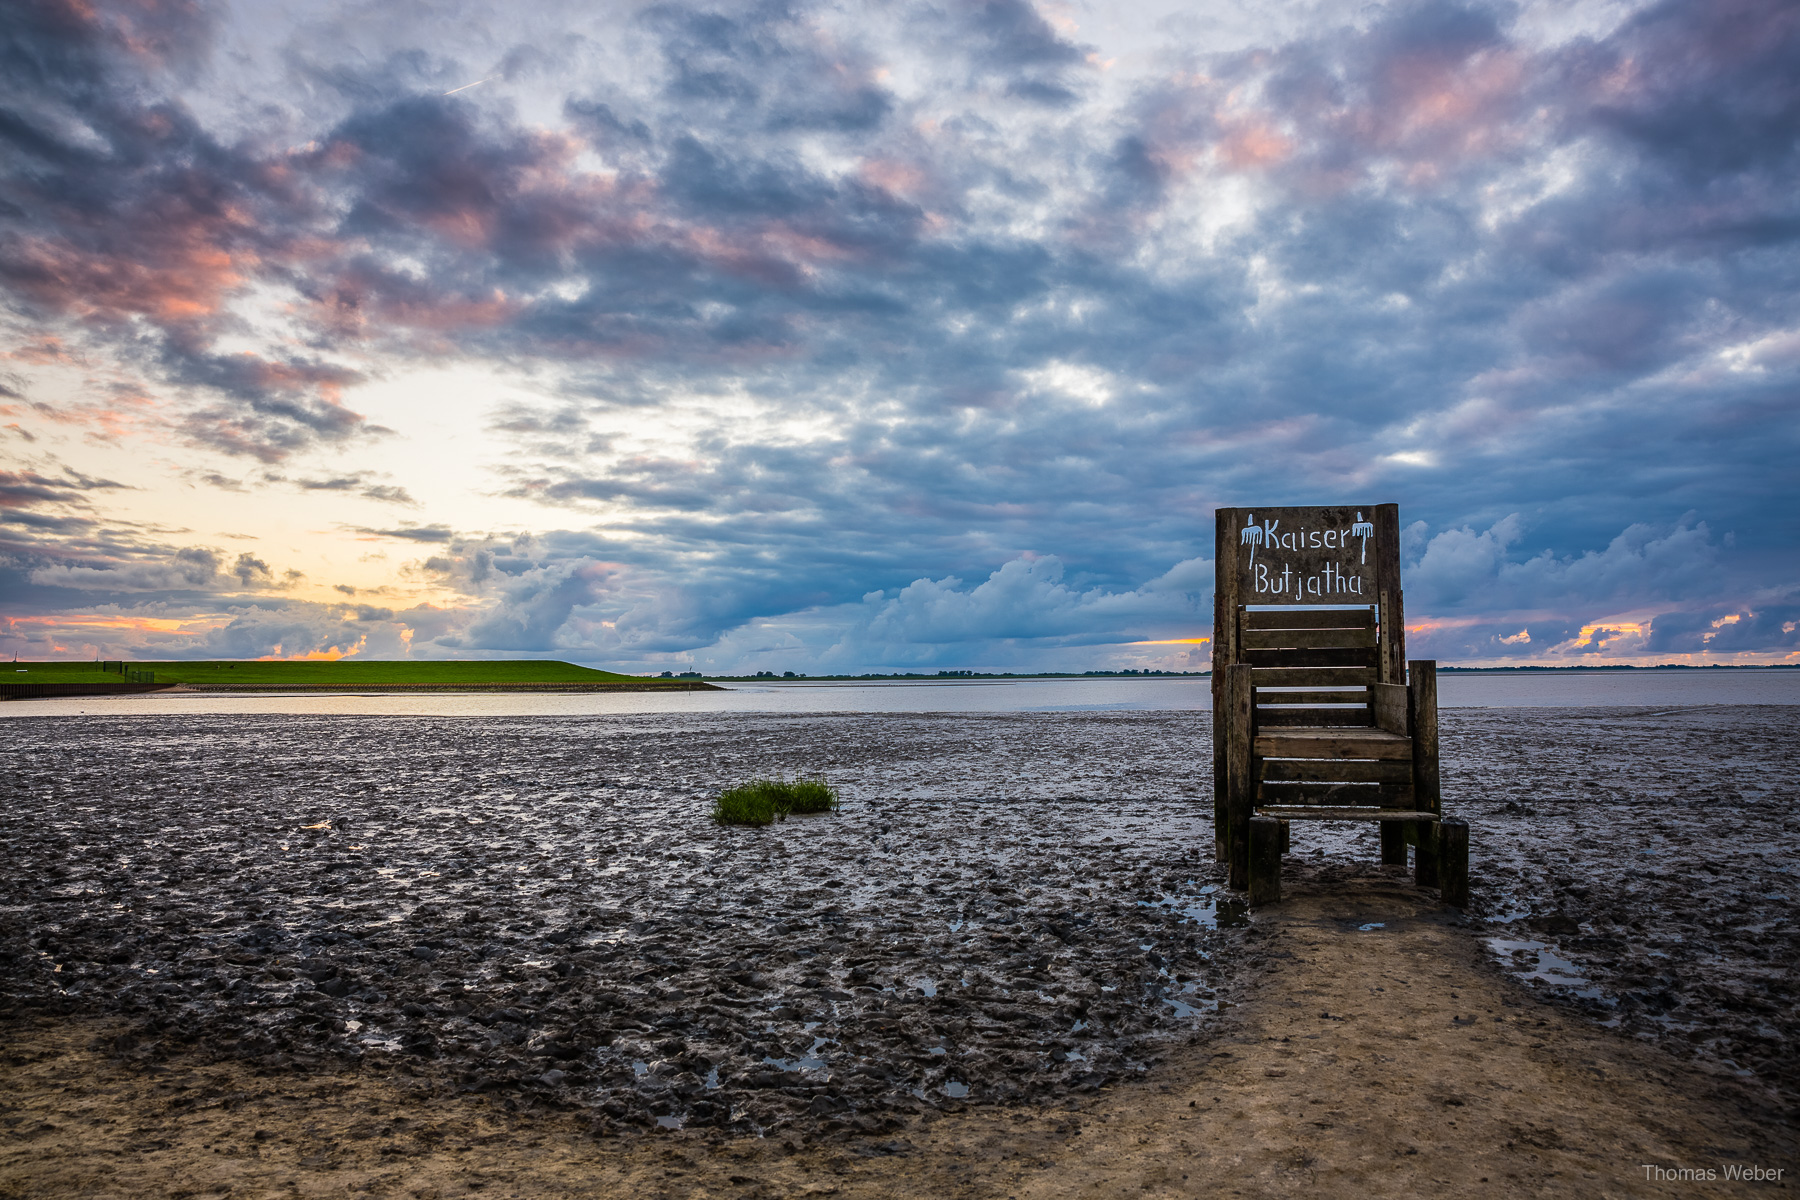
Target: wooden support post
column 1287, row 836
column 1422, row 703
column 1425, row 858
column 1224, row 653
column 1393, row 843
column 1221, row 775
column 1241, row 771
column 1265, row 861
column 1453, row 862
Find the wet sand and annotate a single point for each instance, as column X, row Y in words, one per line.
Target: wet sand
column 200, row 929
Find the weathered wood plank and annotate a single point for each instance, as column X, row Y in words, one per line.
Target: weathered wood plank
column 1324, row 677
column 1361, row 617
column 1388, row 700
column 1326, row 770
column 1347, row 656
column 1266, row 698
column 1333, row 743
column 1385, row 554
column 1377, row 795
column 1346, row 718
column 1397, row 646
column 1307, row 639
column 1393, row 843
column 1321, row 813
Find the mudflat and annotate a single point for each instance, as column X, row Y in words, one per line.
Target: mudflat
column 1378, row 1051
column 509, row 956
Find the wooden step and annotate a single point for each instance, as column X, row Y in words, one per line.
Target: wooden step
column 1335, row 770
column 1306, row 812
column 1333, row 743
column 1338, row 795
column 1268, row 699
column 1351, row 718
column 1314, row 677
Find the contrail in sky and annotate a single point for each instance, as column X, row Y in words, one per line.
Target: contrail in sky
column 465, row 87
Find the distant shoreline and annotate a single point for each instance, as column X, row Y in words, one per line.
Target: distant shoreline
column 47, row 691
column 977, row 676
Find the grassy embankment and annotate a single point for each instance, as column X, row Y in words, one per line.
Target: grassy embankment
column 348, row 673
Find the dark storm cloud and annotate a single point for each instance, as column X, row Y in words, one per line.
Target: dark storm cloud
column 1546, row 297
column 130, row 221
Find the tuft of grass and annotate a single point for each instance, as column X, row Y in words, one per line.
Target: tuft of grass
column 750, row 803
column 764, row 801
column 812, row 795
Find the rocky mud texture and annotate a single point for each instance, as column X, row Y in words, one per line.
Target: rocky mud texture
column 1644, row 865
column 1007, row 907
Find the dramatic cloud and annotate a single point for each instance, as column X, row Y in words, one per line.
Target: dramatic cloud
column 893, row 335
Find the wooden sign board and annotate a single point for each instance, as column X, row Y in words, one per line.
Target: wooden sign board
column 1338, row 555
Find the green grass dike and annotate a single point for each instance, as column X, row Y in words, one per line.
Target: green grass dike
column 209, row 675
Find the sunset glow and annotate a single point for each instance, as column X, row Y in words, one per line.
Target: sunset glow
column 839, row 339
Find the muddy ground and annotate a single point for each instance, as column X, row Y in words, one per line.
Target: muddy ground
column 1005, row 909
column 1380, row 1052
column 1015, row 908
column 1643, row 866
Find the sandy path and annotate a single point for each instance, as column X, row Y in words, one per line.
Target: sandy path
column 1393, row 1061
column 1397, row 1062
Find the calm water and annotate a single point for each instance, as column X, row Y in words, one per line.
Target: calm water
column 1660, row 689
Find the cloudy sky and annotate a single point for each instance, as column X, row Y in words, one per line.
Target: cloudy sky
column 890, row 335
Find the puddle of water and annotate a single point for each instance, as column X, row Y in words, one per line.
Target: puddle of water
column 640, row 1069
column 1184, row 1009
column 810, row 1061
column 937, row 1050
column 928, row 986
column 712, row 1079
column 955, row 1090
column 1547, row 966
column 1206, row 908
column 669, row 1122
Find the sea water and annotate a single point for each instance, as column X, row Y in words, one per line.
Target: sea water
column 1521, row 689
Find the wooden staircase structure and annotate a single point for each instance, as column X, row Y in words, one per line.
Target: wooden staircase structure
column 1317, row 716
